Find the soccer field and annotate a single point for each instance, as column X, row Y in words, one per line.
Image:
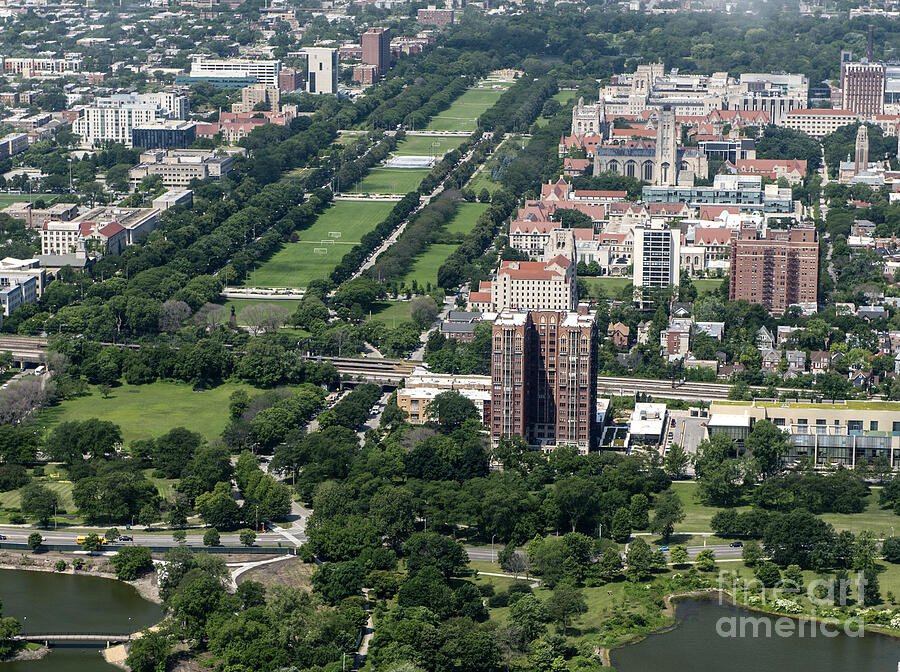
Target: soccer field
column 463, row 114
column 427, row 145
column 314, row 255
column 391, row 181
column 9, row 199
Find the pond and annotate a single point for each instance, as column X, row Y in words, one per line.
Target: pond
column 697, row 646
column 47, row 602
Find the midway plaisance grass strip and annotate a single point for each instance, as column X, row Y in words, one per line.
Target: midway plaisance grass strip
column 320, row 248
column 463, row 114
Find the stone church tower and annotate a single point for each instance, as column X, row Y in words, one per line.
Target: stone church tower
column 588, row 119
column 861, row 158
column 666, row 158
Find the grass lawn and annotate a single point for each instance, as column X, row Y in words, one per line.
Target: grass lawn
column 13, row 498
column 295, row 264
column 874, row 518
column 392, row 312
column 391, row 181
column 147, row 411
column 425, row 267
column 427, row 145
column 240, row 304
column 463, row 114
column 9, row 199
column 611, row 286
column 483, row 179
column 707, row 285
column 564, row 96
column 466, row 216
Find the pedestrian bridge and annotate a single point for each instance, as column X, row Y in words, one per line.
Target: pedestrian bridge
column 50, row 637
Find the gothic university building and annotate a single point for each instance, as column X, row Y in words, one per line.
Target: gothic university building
column 663, row 164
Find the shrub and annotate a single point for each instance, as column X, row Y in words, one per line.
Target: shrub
column 131, row 561
column 60, row 566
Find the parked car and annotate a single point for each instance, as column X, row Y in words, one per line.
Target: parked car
column 126, row 537
column 664, row 548
column 737, row 544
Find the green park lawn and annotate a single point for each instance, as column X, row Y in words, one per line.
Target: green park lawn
column 463, row 114
column 611, row 286
column 466, row 216
column 874, row 518
column 296, row 264
column 147, row 411
column 382, row 180
column 483, row 179
column 240, row 304
column 564, row 96
column 425, row 267
column 427, row 145
column 392, row 313
column 707, row 285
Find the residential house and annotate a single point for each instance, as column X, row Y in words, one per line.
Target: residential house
column 620, row 334
column 770, row 359
column 819, row 361
column 764, row 339
column 796, row 362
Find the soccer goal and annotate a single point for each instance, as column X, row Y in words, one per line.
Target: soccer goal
column 321, row 251
column 335, row 234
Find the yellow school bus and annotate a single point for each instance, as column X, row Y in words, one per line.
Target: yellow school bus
column 80, row 539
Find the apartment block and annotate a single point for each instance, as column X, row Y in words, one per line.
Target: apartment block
column 422, row 386
column 656, row 255
column 775, row 268
column 38, row 67
column 376, row 48
column 535, row 285
column 114, row 118
column 819, row 123
column 166, row 134
column 435, row 17
column 543, row 374
column 258, row 95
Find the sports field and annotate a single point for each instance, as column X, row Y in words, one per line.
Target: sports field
column 391, row 180
column 147, row 411
column 463, row 114
column 9, row 199
column 425, row 267
column 314, row 256
column 466, row 216
column 427, row 145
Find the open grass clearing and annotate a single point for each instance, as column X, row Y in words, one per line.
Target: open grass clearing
column 425, row 267
column 467, row 215
column 240, row 304
column 611, row 287
column 320, row 247
column 147, row 411
column 382, row 180
column 707, row 285
column 392, row 313
column 463, row 114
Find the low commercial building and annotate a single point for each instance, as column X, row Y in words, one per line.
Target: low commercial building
column 822, row 434
column 178, row 168
column 35, row 218
column 647, row 424
column 173, row 198
column 422, row 386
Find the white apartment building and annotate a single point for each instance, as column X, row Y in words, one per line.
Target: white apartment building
column 322, row 70
column 265, row 72
column 60, row 237
column 656, row 255
column 112, row 119
column 535, row 285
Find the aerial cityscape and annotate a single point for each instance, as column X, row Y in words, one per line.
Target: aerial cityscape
column 481, row 336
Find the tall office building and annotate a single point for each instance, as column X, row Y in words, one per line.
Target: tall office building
column 376, row 49
column 656, row 255
column 862, row 87
column 544, row 373
column 776, row 268
column 321, row 70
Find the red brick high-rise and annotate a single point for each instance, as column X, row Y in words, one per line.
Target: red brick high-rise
column 862, row 87
column 777, row 269
column 376, row 48
column 544, row 370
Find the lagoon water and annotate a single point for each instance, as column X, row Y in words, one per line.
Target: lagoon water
column 47, row 602
column 695, row 646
